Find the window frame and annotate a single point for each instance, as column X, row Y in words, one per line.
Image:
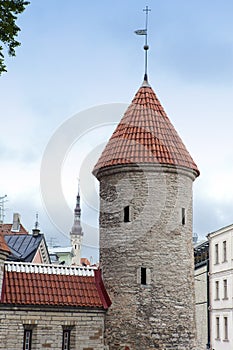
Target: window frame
column 66, row 340
column 225, row 289
column 27, row 339
column 217, row 321
column 217, row 290
column 216, row 253
column 225, row 318
column 224, row 243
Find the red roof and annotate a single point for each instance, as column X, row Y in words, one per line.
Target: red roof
column 5, row 229
column 145, row 135
column 24, row 286
column 3, row 246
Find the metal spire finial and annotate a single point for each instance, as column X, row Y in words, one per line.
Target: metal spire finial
column 37, row 221
column 146, row 46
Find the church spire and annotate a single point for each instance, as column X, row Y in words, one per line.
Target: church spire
column 76, row 234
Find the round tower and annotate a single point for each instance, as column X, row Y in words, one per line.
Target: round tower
column 146, row 254
column 76, row 234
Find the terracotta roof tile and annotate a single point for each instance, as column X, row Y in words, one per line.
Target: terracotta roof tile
column 145, row 135
column 23, row 286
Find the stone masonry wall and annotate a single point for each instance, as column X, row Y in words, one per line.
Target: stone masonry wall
column 161, row 314
column 47, row 328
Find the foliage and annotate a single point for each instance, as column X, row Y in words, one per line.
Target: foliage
column 9, row 10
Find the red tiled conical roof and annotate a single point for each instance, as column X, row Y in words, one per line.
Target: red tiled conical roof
column 145, row 135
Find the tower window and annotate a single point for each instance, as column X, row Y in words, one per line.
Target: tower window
column 126, row 214
column 183, row 216
column 143, row 276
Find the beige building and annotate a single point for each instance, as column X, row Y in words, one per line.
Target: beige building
column 221, row 288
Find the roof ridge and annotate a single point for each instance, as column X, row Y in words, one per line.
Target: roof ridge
column 50, row 269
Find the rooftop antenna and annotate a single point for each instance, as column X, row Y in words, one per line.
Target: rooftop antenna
column 2, row 208
column 146, row 46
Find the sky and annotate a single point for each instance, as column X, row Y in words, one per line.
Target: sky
column 78, row 67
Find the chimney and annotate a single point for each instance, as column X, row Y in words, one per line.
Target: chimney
column 35, row 232
column 16, row 223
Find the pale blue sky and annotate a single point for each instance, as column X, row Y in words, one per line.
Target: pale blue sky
column 79, row 54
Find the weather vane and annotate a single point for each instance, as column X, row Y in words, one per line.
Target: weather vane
column 144, row 32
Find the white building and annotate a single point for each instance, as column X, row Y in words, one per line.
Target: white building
column 221, row 288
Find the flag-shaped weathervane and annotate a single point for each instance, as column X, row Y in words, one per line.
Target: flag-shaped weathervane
column 141, row 32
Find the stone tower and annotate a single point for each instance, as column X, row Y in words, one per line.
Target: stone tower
column 76, row 234
column 146, row 254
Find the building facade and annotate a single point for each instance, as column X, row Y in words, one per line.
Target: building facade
column 47, row 306
column 221, row 288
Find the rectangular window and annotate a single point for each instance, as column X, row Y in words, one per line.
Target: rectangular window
column 225, row 289
column 216, row 254
column 143, row 275
column 217, row 290
column 27, row 342
column 225, row 328
column 126, row 214
column 183, row 216
column 224, row 246
column 66, row 339
column 217, row 328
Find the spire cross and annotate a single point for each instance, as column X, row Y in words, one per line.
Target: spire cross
column 146, row 47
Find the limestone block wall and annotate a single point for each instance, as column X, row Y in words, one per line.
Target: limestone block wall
column 201, row 306
column 47, row 327
column 161, row 313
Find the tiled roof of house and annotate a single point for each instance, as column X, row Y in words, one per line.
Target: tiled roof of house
column 6, row 229
column 23, row 247
column 30, row 284
column 145, row 135
column 3, row 245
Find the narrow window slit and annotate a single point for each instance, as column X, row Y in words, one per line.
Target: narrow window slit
column 183, row 216
column 126, row 214
column 143, row 276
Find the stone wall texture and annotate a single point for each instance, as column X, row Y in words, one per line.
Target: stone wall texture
column 161, row 314
column 47, row 328
column 201, row 307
